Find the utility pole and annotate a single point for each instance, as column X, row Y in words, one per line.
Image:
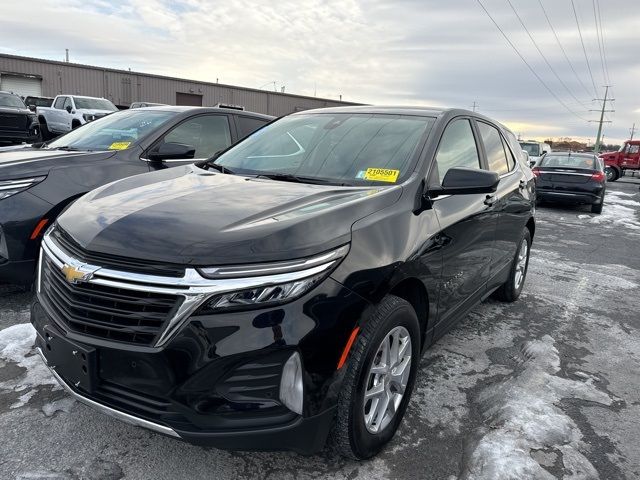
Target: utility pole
column 632, row 130
column 596, row 147
column 474, row 106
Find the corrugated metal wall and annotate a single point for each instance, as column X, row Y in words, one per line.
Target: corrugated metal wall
column 122, row 87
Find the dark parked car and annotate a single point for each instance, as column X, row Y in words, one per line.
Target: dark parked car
column 17, row 123
column 37, row 102
column 287, row 288
column 36, row 184
column 575, row 178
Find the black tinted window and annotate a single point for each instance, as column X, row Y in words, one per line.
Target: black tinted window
column 457, row 148
column 569, row 161
column 247, row 125
column 494, row 148
column 207, row 133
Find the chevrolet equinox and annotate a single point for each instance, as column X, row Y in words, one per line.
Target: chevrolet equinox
column 280, row 293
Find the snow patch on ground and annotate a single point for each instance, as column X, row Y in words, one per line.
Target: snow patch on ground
column 618, row 211
column 461, row 355
column 17, row 346
column 522, row 415
column 61, row 405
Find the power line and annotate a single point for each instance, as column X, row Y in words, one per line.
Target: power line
column 566, row 57
column 584, row 50
column 535, row 44
column 604, row 50
column 527, row 63
column 605, row 77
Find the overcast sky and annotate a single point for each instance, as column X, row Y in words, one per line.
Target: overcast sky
column 409, row 52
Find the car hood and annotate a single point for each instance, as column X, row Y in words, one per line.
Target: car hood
column 190, row 216
column 24, row 111
column 28, row 161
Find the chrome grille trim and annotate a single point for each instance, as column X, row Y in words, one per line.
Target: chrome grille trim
column 193, row 287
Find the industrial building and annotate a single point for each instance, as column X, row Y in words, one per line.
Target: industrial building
column 38, row 77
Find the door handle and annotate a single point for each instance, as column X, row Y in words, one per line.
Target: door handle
column 490, row 200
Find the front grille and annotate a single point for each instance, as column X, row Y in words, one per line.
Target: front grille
column 114, row 262
column 14, row 121
column 105, row 312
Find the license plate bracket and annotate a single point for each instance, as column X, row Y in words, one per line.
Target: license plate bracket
column 75, row 363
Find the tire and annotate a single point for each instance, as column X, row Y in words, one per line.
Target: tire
column 350, row 435
column 612, row 174
column 44, row 131
column 597, row 207
column 510, row 290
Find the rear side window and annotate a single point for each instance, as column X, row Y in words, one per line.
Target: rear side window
column 248, row 125
column 494, row 148
column 457, row 148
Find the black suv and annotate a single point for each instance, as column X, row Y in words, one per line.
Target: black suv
column 286, row 288
column 36, row 184
column 17, row 123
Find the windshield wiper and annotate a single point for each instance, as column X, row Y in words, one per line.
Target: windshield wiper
column 69, row 149
column 288, row 177
column 220, row 168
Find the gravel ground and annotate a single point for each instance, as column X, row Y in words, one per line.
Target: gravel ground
column 547, row 387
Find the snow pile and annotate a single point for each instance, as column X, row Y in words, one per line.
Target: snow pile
column 618, row 211
column 522, row 416
column 16, row 345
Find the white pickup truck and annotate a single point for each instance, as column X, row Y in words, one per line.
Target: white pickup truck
column 70, row 111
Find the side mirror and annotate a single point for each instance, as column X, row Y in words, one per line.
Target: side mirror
column 32, row 108
column 464, row 181
column 531, row 163
column 544, row 152
column 172, row 151
column 68, row 108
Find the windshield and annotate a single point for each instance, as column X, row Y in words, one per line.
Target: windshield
column 94, row 104
column 10, row 101
column 338, row 148
column 569, row 161
column 532, row 149
column 113, row 132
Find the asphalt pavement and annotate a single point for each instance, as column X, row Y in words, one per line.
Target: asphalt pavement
column 546, row 387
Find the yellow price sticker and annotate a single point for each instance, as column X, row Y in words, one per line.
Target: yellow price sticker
column 119, row 145
column 381, row 175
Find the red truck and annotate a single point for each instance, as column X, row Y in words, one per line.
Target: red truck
column 627, row 158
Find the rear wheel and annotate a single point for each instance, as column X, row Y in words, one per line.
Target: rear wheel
column 597, row 207
column 511, row 289
column 378, row 381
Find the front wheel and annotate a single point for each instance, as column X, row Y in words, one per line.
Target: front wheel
column 379, row 380
column 611, row 173
column 510, row 290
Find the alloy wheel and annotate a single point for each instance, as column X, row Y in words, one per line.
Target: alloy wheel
column 521, row 265
column 387, row 379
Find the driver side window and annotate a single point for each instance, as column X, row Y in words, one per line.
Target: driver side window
column 208, row 134
column 457, row 149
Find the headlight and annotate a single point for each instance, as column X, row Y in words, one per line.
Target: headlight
column 270, row 283
column 88, row 117
column 11, row 187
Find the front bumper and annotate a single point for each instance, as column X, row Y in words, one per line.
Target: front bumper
column 302, row 435
column 19, row 215
column 216, row 382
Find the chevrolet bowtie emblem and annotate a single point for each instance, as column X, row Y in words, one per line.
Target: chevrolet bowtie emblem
column 77, row 274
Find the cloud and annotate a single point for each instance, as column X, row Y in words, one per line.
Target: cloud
column 374, row 51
